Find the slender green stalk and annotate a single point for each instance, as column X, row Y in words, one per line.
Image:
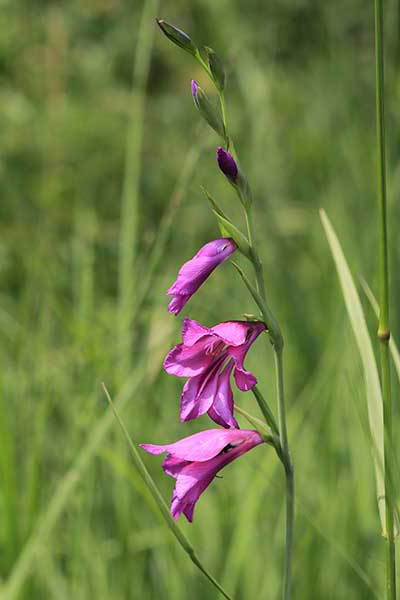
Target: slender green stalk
column 224, row 117
column 289, row 473
column 266, row 411
column 284, row 453
column 130, row 193
column 384, row 326
column 156, row 494
column 275, row 333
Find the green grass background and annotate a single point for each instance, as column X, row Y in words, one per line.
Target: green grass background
column 101, row 203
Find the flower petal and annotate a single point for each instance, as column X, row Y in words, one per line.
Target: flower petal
column 197, row 396
column 221, row 410
column 245, row 380
column 195, row 477
column 193, row 331
column 173, row 466
column 204, row 445
column 233, row 333
column 188, row 361
column 177, row 303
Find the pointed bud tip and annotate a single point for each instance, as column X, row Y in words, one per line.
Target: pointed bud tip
column 227, row 164
column 177, row 36
column 195, row 87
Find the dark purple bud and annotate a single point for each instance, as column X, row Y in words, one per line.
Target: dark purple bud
column 227, row 164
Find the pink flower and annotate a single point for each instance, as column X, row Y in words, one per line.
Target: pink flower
column 195, row 460
column 207, row 357
column 194, row 272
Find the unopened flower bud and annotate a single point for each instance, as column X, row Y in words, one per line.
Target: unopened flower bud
column 206, row 109
column 227, row 164
column 177, row 36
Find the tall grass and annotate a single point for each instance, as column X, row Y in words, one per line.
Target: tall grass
column 302, row 72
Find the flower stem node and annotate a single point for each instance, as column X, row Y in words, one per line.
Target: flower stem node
column 177, row 36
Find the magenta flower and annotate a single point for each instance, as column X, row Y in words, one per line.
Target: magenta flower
column 196, row 270
column 208, row 357
column 195, row 460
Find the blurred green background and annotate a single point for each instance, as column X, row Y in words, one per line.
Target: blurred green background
column 102, row 158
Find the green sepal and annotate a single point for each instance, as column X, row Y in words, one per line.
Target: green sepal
column 209, row 112
column 228, row 229
column 215, row 207
column 177, row 37
column 243, row 190
column 216, row 68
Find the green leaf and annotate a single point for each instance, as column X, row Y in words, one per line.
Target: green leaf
column 214, row 205
column 371, row 376
column 216, row 68
column 228, row 229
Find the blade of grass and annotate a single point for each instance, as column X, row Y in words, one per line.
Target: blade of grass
column 130, row 193
column 162, row 506
column 364, row 344
column 45, row 523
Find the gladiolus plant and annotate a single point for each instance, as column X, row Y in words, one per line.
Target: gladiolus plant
column 209, row 357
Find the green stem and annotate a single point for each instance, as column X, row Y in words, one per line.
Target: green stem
column 278, row 355
column 384, row 327
column 289, row 474
column 224, row 117
column 154, row 491
column 284, row 454
column 266, row 411
column 287, row 567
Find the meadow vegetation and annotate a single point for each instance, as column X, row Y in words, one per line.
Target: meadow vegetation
column 92, row 128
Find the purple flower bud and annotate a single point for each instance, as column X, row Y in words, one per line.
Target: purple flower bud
column 195, row 271
column 195, row 87
column 227, row 164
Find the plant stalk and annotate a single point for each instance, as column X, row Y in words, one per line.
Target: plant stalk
column 289, row 475
column 384, row 327
column 284, row 453
column 274, row 331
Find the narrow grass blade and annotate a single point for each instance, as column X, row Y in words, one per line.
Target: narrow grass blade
column 130, row 194
column 45, row 523
column 363, row 340
column 159, row 500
